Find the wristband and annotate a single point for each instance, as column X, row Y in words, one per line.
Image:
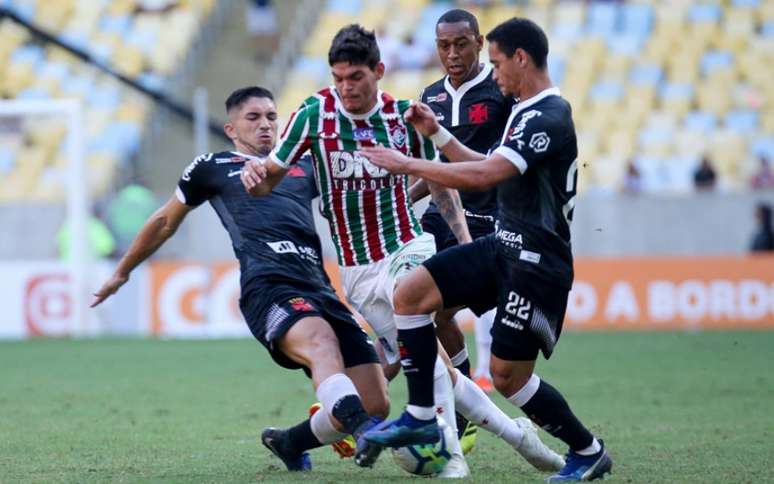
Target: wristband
column 441, row 137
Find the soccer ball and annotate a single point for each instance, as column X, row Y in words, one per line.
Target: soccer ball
column 427, row 459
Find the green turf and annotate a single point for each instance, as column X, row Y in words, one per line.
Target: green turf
column 672, row 407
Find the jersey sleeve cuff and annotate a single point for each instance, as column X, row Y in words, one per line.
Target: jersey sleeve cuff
column 180, row 195
column 513, row 156
column 273, row 157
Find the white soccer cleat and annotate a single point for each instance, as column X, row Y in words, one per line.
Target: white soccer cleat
column 456, row 468
column 534, row 450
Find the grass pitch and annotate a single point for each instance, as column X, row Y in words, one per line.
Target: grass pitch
column 672, row 407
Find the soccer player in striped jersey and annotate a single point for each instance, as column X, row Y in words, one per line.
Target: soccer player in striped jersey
column 377, row 237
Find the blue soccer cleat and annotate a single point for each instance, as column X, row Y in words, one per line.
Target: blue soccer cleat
column 405, row 430
column 366, row 453
column 584, row 467
column 277, row 442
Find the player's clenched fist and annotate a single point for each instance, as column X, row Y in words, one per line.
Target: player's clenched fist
column 253, row 174
column 422, row 118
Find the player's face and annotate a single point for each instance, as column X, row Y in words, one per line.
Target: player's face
column 253, row 125
column 508, row 72
column 458, row 49
column 357, row 85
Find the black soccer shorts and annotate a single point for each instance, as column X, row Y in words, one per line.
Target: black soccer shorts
column 433, row 223
column 485, row 274
column 272, row 307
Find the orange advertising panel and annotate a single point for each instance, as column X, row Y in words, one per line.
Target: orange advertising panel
column 200, row 300
column 672, row 293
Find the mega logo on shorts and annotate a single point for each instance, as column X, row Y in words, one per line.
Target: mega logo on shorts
column 301, row 305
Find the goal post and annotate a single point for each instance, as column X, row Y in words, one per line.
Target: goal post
column 77, row 198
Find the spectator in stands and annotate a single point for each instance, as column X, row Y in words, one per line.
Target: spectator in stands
column 263, row 27
column 101, row 241
column 389, row 46
column 704, row 177
column 413, row 55
column 763, row 239
column 128, row 211
column 764, row 177
column 632, row 183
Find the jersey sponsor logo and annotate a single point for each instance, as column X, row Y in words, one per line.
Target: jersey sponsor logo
column 539, row 142
column 510, row 239
column 437, row 99
column 345, row 164
column 234, row 173
column 478, row 113
column 440, row 116
column 529, row 256
column 283, row 247
column 363, row 134
column 515, row 133
column 190, row 168
column 398, row 135
column 232, row 159
column 300, row 304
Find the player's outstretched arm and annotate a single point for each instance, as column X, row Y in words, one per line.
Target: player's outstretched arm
column 157, row 229
column 423, row 119
column 260, row 178
column 449, row 205
column 465, row 175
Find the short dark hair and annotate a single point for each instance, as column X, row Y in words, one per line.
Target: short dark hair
column 459, row 15
column 521, row 33
column 355, row 45
column 238, row 97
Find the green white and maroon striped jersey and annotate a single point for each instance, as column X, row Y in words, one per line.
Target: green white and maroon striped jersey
column 368, row 208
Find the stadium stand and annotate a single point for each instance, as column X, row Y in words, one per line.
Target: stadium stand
column 125, row 35
column 662, row 83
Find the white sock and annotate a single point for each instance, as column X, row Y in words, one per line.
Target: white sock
column 333, row 389
column 483, row 326
column 460, row 357
column 591, row 449
column 403, row 321
column 525, row 393
column 323, row 428
column 475, row 406
column 443, row 394
column 421, row 413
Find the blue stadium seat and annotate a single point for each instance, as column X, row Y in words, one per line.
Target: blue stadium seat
column 764, row 147
column 52, row 70
column 28, row 54
column 714, row 60
column 637, row 19
column 746, row 3
column 602, row 18
column 7, row 159
column 151, row 81
column 556, row 68
column 703, row 121
column 347, row 7
column 25, row 10
column 678, row 171
column 767, row 30
column 676, row 90
column 742, row 121
column 106, row 97
column 33, row 93
column 77, row 86
column 118, row 24
column 704, row 13
column 646, row 74
column 567, row 31
column 610, row 91
column 629, row 45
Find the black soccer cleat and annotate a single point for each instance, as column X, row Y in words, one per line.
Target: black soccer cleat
column 276, row 440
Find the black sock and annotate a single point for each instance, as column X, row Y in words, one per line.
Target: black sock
column 550, row 411
column 464, row 367
column 418, row 352
column 302, row 438
column 350, row 413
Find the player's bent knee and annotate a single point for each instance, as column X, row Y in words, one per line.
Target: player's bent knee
column 508, row 380
column 417, row 293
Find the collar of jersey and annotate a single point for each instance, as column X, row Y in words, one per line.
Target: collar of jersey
column 249, row 156
column 465, row 86
column 551, row 91
column 379, row 104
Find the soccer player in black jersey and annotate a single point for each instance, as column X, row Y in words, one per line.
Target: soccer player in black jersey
column 524, row 269
column 286, row 297
column 468, row 103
